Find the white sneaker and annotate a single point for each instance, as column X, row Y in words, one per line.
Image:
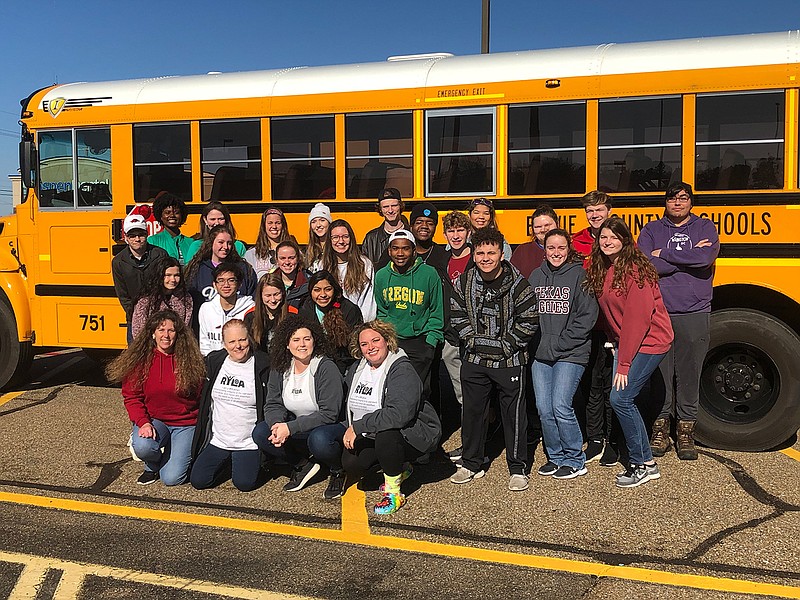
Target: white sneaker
column 518, row 483
column 464, row 475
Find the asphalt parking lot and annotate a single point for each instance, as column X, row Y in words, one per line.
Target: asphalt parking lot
column 725, row 525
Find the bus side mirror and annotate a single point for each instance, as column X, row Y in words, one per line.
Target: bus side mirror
column 27, row 162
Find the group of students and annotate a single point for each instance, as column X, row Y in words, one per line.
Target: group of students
column 322, row 358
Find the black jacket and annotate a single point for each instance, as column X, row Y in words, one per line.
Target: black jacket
column 129, row 275
column 202, row 432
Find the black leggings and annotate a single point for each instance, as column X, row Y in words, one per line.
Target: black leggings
column 389, row 449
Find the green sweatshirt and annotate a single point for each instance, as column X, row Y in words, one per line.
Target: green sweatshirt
column 411, row 301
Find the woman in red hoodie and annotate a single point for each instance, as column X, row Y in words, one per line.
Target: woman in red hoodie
column 626, row 286
column 162, row 374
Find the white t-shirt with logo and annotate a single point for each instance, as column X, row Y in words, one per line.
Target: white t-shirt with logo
column 297, row 396
column 233, row 406
column 367, row 393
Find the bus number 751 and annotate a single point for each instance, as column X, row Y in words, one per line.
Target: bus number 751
column 93, row 322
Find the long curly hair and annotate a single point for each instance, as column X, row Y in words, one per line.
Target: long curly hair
column 280, row 356
column 264, row 247
column 264, row 320
column 355, row 276
column 333, row 321
column 134, row 363
column 205, row 251
column 203, row 231
column 630, row 263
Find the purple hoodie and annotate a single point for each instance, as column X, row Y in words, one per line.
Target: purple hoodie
column 686, row 272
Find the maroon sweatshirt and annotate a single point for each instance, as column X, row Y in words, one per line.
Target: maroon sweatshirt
column 636, row 318
column 156, row 397
column 527, row 258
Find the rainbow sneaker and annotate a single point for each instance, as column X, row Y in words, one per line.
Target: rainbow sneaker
column 403, row 476
column 389, row 504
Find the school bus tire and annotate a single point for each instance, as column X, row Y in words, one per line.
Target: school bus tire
column 750, row 383
column 15, row 356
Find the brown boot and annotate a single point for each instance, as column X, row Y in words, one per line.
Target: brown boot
column 685, row 441
column 660, row 442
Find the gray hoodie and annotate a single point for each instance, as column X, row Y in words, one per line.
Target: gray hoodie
column 402, row 406
column 567, row 313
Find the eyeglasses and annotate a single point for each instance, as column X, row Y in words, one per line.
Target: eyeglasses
column 134, row 234
column 679, row 198
column 482, row 202
column 229, row 281
column 343, row 238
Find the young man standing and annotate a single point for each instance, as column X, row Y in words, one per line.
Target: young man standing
column 596, row 382
column 408, row 294
column 494, row 313
column 683, row 247
column 226, row 306
column 130, row 267
column 390, row 206
column 170, row 211
column 424, row 219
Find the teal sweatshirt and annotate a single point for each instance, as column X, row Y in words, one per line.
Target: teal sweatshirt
column 411, row 301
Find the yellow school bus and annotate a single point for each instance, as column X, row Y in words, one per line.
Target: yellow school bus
column 522, row 128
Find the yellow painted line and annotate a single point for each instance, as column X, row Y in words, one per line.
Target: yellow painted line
column 792, row 453
column 741, row 586
column 472, row 97
column 9, row 397
column 354, row 512
column 75, row 572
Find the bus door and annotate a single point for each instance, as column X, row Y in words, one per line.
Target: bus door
column 73, row 242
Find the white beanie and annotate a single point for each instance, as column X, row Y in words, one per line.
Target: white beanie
column 320, row 210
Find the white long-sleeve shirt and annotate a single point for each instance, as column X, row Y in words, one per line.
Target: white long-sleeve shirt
column 212, row 317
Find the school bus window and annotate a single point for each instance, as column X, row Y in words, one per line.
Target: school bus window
column 460, row 151
column 547, row 149
column 639, row 144
column 56, row 170
column 94, row 167
column 162, row 161
column 302, row 151
column 231, row 156
column 739, row 141
column 379, row 153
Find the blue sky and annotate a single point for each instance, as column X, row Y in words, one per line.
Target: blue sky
column 95, row 40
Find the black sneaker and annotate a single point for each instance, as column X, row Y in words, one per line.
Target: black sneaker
column 566, row 472
column 593, row 450
column 455, row 455
column 301, row 477
column 610, row 457
column 547, row 469
column 147, row 477
column 335, row 487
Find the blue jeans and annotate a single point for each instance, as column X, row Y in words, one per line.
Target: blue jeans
column 245, row 466
column 624, row 404
column 172, row 465
column 554, row 384
column 326, row 445
column 294, row 452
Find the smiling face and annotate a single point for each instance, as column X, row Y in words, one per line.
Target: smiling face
column 401, row 253
column 541, row 225
column 273, row 226
column 373, row 347
column 136, row 240
column 171, row 218
column 286, row 258
column 610, row 244
column 596, row 215
column 237, row 343
column 480, row 216
column 164, row 337
column 301, row 345
column 214, row 218
column 319, row 225
column 172, row 277
column 340, row 240
column 227, row 285
column 272, row 297
column 556, row 250
column 390, row 209
column 221, row 247
column 456, row 237
column 322, row 293
column 488, row 259
column 423, row 228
